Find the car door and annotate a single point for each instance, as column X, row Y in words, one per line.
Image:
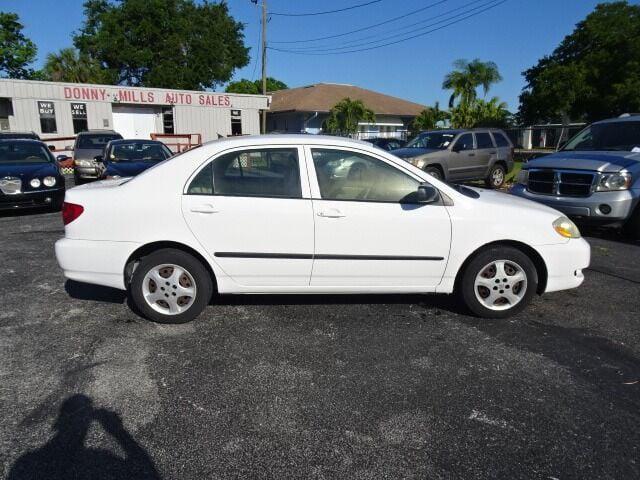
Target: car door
column 462, row 162
column 369, row 235
column 486, row 153
column 250, row 208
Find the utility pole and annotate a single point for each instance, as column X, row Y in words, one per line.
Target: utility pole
column 264, row 62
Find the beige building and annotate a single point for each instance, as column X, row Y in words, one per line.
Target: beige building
column 53, row 109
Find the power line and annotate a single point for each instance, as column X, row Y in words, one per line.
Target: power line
column 397, row 41
column 350, row 43
column 255, row 63
column 281, row 14
column 368, row 27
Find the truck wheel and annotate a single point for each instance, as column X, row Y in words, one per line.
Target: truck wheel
column 498, row 282
column 170, row 286
column 496, row 176
column 632, row 228
column 434, row 172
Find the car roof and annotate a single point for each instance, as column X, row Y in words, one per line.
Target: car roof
column 134, row 140
column 631, row 117
column 98, row 132
column 287, row 139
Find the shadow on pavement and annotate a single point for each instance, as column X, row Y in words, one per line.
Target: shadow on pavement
column 98, row 293
column 66, row 456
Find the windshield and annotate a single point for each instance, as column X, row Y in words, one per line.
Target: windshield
column 620, row 136
column 95, row 142
column 434, row 140
column 24, row 152
column 139, row 151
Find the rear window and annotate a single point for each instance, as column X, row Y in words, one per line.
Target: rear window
column 501, row 140
column 139, row 151
column 484, row 140
column 95, row 142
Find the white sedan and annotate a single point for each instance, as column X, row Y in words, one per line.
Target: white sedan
column 310, row 214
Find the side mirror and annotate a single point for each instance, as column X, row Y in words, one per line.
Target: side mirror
column 62, row 158
column 68, row 147
column 457, row 147
column 98, row 158
column 427, row 194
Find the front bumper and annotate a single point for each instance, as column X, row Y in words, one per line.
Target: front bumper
column 587, row 209
column 565, row 263
column 34, row 199
column 86, row 172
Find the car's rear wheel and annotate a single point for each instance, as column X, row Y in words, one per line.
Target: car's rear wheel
column 434, row 172
column 496, row 176
column 499, row 282
column 170, row 286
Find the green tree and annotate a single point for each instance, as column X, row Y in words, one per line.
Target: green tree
column 345, row 115
column 428, row 119
column 16, row 50
column 468, row 77
column 255, row 87
column 69, row 65
column 163, row 43
column 594, row 73
column 481, row 113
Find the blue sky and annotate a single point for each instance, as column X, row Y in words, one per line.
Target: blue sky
column 514, row 34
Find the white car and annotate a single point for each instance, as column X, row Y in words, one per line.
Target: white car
column 280, row 214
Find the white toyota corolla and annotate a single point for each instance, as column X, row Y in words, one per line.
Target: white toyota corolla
column 310, row 214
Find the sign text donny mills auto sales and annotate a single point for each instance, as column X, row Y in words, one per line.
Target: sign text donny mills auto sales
column 147, row 97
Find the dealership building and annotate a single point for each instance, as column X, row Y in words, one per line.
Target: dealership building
column 53, row 109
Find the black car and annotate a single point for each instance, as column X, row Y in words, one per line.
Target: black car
column 387, row 144
column 128, row 158
column 29, row 176
column 16, row 135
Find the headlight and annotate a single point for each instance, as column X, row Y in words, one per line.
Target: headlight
column 610, row 182
column 523, row 177
column 418, row 162
column 35, row 183
column 566, row 228
column 82, row 163
column 49, row 181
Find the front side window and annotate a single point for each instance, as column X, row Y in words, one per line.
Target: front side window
column 484, row 140
column 465, row 142
column 251, row 173
column 344, row 175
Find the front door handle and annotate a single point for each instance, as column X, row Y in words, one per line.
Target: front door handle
column 331, row 213
column 205, row 208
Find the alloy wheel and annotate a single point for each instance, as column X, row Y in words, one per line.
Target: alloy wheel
column 169, row 289
column 500, row 285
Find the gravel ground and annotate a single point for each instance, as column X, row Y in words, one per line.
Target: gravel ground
column 363, row 387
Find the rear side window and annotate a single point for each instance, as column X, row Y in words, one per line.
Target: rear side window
column 501, row 140
column 251, row 173
column 484, row 140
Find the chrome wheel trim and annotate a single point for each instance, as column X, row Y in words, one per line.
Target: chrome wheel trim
column 169, row 289
column 500, row 285
column 497, row 177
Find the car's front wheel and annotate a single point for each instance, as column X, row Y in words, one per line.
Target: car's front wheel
column 434, row 172
column 496, row 177
column 498, row 282
column 170, row 286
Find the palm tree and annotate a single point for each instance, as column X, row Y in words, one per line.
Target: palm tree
column 428, row 119
column 345, row 116
column 467, row 77
column 480, row 113
column 69, row 65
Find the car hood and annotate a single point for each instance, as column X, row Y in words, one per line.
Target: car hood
column 27, row 170
column 127, row 169
column 597, row 161
column 86, row 153
column 412, row 152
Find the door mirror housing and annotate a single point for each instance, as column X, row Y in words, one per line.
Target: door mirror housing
column 62, row 158
column 99, row 158
column 427, row 194
column 457, row 147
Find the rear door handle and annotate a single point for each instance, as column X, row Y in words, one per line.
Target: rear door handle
column 493, row 152
column 331, row 213
column 205, row 208
column 472, row 154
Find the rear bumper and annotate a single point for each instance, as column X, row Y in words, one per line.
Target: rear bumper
column 587, row 209
column 40, row 198
column 94, row 261
column 565, row 263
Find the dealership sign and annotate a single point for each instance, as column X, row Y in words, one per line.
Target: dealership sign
column 125, row 95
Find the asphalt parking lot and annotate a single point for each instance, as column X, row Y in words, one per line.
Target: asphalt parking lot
column 315, row 387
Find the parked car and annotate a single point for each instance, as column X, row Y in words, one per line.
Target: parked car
column 265, row 215
column 29, row 176
column 128, row 158
column 595, row 178
column 7, row 135
column 386, row 143
column 87, row 146
column 461, row 155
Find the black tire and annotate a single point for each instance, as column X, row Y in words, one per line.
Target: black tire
column 631, row 229
column 196, row 270
column 434, row 172
column 467, row 287
column 496, row 177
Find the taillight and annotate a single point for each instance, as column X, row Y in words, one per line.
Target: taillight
column 71, row 211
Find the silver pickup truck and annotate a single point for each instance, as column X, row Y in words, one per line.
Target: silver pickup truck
column 594, row 178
